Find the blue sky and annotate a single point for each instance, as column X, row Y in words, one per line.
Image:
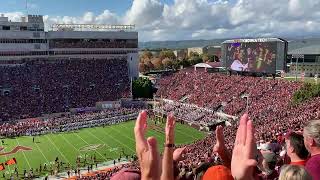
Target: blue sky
column 182, row 19
column 68, row 7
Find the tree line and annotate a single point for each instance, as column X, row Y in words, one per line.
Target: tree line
column 166, row 59
column 308, row 91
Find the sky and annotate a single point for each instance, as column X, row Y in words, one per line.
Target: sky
column 159, row 20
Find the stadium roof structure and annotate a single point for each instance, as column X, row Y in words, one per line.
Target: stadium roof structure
column 257, row 40
column 208, row 65
column 202, row 65
column 308, row 50
column 91, row 27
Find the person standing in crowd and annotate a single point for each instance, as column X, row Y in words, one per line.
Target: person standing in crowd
column 294, row 172
column 311, row 134
column 296, row 149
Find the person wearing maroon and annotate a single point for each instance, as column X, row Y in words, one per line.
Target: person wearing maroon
column 311, row 134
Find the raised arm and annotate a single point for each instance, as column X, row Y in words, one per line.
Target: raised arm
column 167, row 162
column 147, row 150
column 221, row 149
column 243, row 160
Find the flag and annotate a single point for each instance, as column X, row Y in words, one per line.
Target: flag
column 2, row 167
column 11, row 161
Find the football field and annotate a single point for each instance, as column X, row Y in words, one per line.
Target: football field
column 106, row 143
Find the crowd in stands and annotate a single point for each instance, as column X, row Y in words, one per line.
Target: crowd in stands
column 191, row 114
column 269, row 101
column 273, row 139
column 269, row 108
column 67, row 122
column 93, row 43
column 293, row 155
column 37, row 87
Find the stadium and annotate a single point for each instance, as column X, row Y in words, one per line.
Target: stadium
column 67, row 109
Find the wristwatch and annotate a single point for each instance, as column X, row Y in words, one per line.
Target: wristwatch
column 169, row 145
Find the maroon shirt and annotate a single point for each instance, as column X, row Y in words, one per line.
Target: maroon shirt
column 313, row 167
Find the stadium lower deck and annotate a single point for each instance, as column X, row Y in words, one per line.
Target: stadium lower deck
column 269, row 102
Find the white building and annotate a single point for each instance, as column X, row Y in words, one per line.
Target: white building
column 27, row 40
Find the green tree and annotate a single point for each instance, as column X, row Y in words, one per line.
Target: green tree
column 142, row 88
column 307, row 92
column 167, row 54
column 205, row 58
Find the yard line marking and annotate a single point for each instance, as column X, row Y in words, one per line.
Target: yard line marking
column 159, row 136
column 69, row 143
column 88, row 144
column 179, row 131
column 132, row 149
column 24, row 154
column 42, row 153
column 119, row 142
column 57, row 149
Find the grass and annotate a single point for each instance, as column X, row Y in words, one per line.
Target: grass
column 66, row 146
column 306, row 79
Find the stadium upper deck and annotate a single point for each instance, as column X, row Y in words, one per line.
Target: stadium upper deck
column 27, row 39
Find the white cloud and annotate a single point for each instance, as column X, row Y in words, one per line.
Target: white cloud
column 208, row 19
column 143, row 12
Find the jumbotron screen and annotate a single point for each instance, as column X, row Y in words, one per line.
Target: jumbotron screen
column 252, row 56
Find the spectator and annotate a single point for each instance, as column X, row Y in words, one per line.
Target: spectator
column 295, row 149
column 311, row 134
column 294, row 172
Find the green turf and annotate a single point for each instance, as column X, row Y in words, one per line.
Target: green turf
column 66, row 146
column 306, row 79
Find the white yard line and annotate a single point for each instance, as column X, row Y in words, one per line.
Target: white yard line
column 132, row 149
column 88, row 144
column 42, row 153
column 69, row 143
column 24, row 154
column 57, row 149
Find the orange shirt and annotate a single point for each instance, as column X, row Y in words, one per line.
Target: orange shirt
column 301, row 163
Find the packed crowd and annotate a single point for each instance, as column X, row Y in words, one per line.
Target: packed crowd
column 93, row 43
column 191, row 114
column 295, row 155
column 68, row 122
column 36, row 87
column 269, row 108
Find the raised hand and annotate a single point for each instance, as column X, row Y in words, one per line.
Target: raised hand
column 170, row 125
column 243, row 156
column 167, row 162
column 219, row 147
column 178, row 154
column 147, row 150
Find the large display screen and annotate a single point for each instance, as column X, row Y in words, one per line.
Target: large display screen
column 252, row 56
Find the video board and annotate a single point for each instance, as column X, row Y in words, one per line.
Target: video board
column 251, row 56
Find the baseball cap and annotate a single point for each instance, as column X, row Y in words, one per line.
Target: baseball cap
column 217, row 173
column 127, row 174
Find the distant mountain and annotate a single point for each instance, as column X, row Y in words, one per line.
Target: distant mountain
column 294, row 43
column 179, row 44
